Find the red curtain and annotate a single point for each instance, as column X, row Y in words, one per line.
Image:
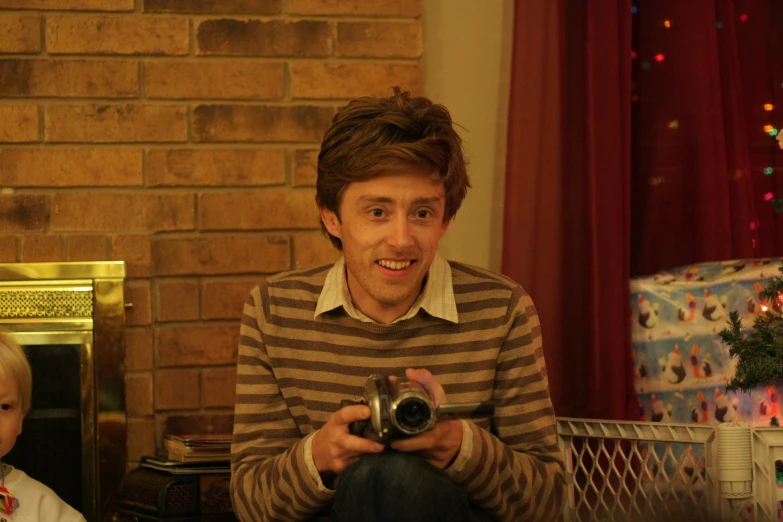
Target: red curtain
column 703, row 72
column 628, row 157
column 567, row 208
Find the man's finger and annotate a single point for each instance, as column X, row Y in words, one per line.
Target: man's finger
column 422, row 441
column 425, row 378
column 352, row 413
column 357, row 446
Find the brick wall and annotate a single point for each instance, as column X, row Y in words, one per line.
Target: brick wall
column 180, row 136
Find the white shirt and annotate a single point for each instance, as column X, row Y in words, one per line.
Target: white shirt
column 37, row 503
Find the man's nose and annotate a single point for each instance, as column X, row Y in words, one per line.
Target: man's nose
column 401, row 234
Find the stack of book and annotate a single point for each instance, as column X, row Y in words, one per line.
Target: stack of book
column 198, row 448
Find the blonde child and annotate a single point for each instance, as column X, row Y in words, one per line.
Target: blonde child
column 22, row 499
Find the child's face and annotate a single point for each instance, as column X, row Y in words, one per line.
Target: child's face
column 11, row 415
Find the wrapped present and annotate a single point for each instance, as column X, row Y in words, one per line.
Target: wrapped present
column 681, row 366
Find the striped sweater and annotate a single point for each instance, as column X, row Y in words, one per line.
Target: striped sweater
column 293, row 370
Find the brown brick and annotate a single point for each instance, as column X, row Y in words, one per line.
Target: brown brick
column 402, row 8
column 225, row 299
column 214, row 167
column 87, row 248
column 380, row 39
column 23, row 212
column 260, row 123
column 116, row 123
column 18, row 123
column 138, row 395
column 305, row 168
column 140, row 211
column 138, row 349
column 215, row 79
column 38, row 248
column 70, row 5
column 137, row 292
column 129, row 35
column 314, row 249
column 216, row 255
column 178, row 300
column 20, row 33
column 258, row 210
column 64, row 78
column 199, row 423
column 352, row 80
column 141, row 438
column 8, row 249
column 229, row 37
column 52, row 167
column 197, row 345
column 177, row 390
column 219, row 385
column 136, row 251
column 258, row 7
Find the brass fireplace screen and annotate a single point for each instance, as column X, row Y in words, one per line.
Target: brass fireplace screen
column 70, row 319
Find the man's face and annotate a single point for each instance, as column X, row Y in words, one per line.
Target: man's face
column 389, row 226
column 11, row 415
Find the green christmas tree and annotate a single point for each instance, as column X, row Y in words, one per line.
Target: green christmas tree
column 760, row 351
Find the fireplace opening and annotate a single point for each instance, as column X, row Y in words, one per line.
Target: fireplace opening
column 69, row 318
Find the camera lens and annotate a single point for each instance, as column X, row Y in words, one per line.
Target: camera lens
column 413, row 415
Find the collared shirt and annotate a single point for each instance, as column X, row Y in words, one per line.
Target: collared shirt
column 437, row 298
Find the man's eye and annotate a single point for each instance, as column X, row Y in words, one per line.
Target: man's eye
column 424, row 214
column 376, row 212
column 6, row 407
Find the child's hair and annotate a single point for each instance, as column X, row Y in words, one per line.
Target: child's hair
column 14, row 365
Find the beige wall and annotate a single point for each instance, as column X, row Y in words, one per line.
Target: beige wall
column 467, row 56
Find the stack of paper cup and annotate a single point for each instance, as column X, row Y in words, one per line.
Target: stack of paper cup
column 735, row 461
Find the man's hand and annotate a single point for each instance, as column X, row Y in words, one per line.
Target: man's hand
column 440, row 445
column 334, row 449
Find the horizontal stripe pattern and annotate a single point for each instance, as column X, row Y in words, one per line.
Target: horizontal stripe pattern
column 293, row 371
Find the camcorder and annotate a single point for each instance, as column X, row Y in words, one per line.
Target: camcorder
column 401, row 408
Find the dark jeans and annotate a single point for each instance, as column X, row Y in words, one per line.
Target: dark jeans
column 394, row 486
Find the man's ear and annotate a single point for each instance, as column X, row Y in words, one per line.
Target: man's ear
column 331, row 222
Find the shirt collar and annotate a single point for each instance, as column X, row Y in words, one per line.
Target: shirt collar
column 437, row 298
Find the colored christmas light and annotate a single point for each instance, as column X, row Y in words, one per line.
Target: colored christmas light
column 633, row 57
column 768, row 107
column 768, row 128
column 769, row 170
column 657, row 180
column 768, row 196
column 674, row 124
column 773, row 132
column 645, row 65
column 659, row 57
column 719, row 25
column 743, row 17
column 633, row 9
column 667, row 23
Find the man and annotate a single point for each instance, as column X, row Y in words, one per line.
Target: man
column 391, row 176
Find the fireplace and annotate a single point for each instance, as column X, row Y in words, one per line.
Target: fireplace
column 70, row 318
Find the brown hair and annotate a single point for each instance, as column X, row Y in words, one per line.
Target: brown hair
column 374, row 136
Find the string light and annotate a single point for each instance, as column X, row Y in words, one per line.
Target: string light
column 719, row 25
column 659, row 57
column 674, row 124
column 773, row 132
column 633, row 9
column 768, row 128
column 657, row 180
column 768, row 170
column 667, row 23
column 743, row 17
column 633, row 57
column 645, row 65
column 768, row 196
column 768, row 107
